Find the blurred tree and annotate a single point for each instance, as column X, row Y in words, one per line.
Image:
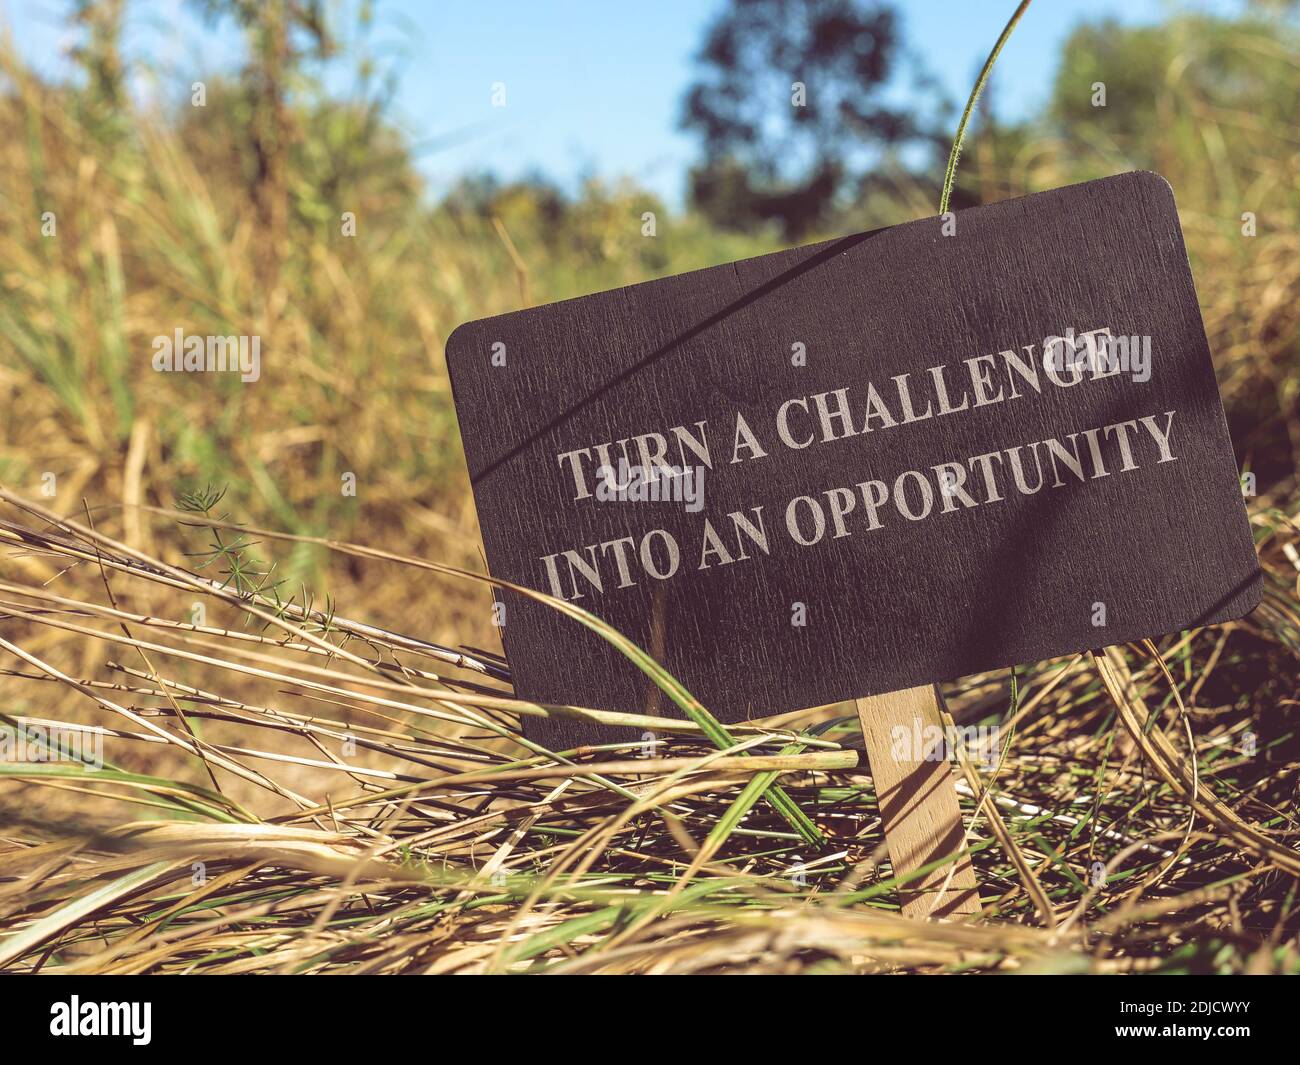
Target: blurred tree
column 345, row 155
column 599, row 224
column 1194, row 67
column 789, row 105
column 99, row 53
column 281, row 35
column 534, row 203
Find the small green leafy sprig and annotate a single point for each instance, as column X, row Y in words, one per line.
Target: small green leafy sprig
column 241, row 571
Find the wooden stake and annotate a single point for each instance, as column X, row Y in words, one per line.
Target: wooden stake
column 918, row 804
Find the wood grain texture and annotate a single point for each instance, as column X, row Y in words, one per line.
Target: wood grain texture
column 918, row 804
column 1163, row 547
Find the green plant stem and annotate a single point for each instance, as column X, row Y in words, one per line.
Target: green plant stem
column 955, row 154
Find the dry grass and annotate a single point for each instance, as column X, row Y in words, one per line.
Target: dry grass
column 434, row 841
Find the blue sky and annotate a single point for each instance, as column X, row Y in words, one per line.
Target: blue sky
column 591, row 86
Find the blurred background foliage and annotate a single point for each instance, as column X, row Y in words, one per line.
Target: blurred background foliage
column 227, row 219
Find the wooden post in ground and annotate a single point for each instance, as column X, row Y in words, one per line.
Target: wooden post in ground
column 918, row 804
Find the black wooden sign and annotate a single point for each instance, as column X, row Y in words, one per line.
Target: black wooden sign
column 879, row 461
